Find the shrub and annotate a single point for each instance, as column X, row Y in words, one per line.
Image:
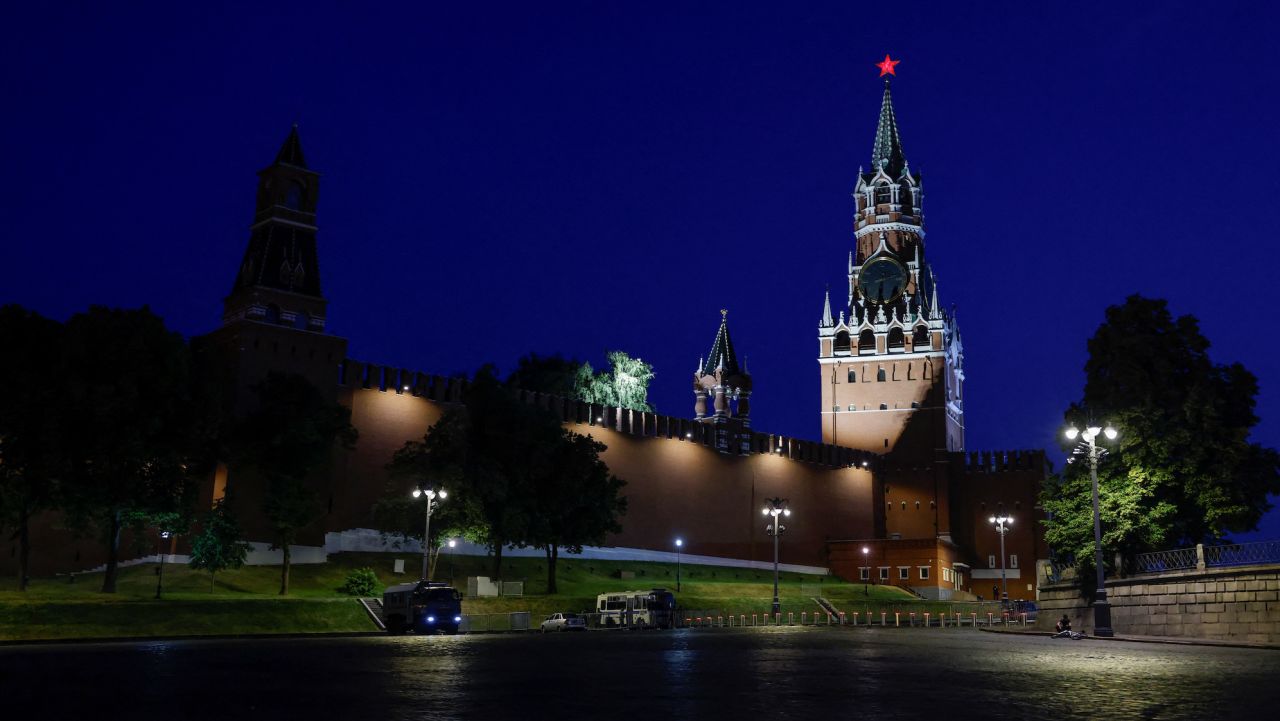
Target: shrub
column 361, row 582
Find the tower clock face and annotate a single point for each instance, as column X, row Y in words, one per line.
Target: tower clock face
column 882, row 280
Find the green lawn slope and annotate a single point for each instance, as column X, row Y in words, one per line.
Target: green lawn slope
column 246, row 601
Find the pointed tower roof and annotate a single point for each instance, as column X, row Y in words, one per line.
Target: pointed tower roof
column 722, row 354
column 291, row 152
column 827, row 322
column 887, row 153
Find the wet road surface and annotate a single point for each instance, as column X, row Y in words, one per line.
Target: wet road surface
column 776, row 673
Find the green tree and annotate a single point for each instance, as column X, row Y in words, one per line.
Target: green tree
column 576, row 500
column 31, row 460
column 141, row 433
column 220, row 544
column 1183, row 469
column 291, row 433
column 487, row 454
column 400, row 516
column 624, row 384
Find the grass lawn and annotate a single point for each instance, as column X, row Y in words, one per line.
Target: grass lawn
column 47, row 619
column 246, row 601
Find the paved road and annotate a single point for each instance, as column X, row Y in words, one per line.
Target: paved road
column 779, row 673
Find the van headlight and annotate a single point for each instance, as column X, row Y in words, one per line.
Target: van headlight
column 431, row 619
column 457, row 619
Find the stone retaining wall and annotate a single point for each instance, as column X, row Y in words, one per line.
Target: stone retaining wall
column 1236, row 604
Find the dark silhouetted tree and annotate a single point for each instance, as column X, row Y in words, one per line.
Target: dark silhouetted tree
column 141, row 433
column 576, row 501
column 487, row 454
column 31, row 459
column 291, row 433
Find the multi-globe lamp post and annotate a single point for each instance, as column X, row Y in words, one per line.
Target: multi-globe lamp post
column 1088, row 447
column 1002, row 524
column 776, row 507
column 432, row 496
column 679, row 547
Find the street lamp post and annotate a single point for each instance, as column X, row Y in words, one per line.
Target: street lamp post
column 679, row 545
column 1089, row 447
column 866, row 565
column 776, row 507
column 431, row 495
column 164, row 536
column 453, row 543
column 1002, row 524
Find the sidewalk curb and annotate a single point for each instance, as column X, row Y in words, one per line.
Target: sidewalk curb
column 1211, row 643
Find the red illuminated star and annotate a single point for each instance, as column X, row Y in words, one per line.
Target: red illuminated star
column 886, row 67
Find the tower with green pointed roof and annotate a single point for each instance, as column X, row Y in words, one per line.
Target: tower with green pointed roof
column 722, row 392
column 891, row 361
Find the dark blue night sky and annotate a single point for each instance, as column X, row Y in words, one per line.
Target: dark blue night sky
column 501, row 178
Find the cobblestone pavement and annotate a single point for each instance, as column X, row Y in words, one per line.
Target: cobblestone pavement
column 774, row 673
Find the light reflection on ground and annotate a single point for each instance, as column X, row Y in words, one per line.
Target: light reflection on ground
column 749, row 674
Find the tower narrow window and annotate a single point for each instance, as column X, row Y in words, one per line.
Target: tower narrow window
column 880, row 374
column 853, row 376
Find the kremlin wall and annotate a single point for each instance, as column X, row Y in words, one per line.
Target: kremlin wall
column 891, row 497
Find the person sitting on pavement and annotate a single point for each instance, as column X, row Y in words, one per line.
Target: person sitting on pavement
column 1063, row 624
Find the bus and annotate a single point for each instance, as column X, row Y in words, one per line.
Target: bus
column 655, row 608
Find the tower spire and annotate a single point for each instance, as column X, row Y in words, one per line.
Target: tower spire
column 887, row 153
column 827, row 322
column 291, row 152
column 722, row 354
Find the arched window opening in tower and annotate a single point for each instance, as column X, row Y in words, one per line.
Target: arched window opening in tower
column 896, row 340
column 301, row 320
column 920, row 338
column 866, row 342
column 853, row 376
column 842, row 342
column 293, row 198
column 880, row 375
column 273, row 313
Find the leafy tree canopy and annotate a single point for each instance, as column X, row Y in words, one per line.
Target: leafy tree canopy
column 625, row 383
column 220, row 544
column 1183, row 469
column 140, row 426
